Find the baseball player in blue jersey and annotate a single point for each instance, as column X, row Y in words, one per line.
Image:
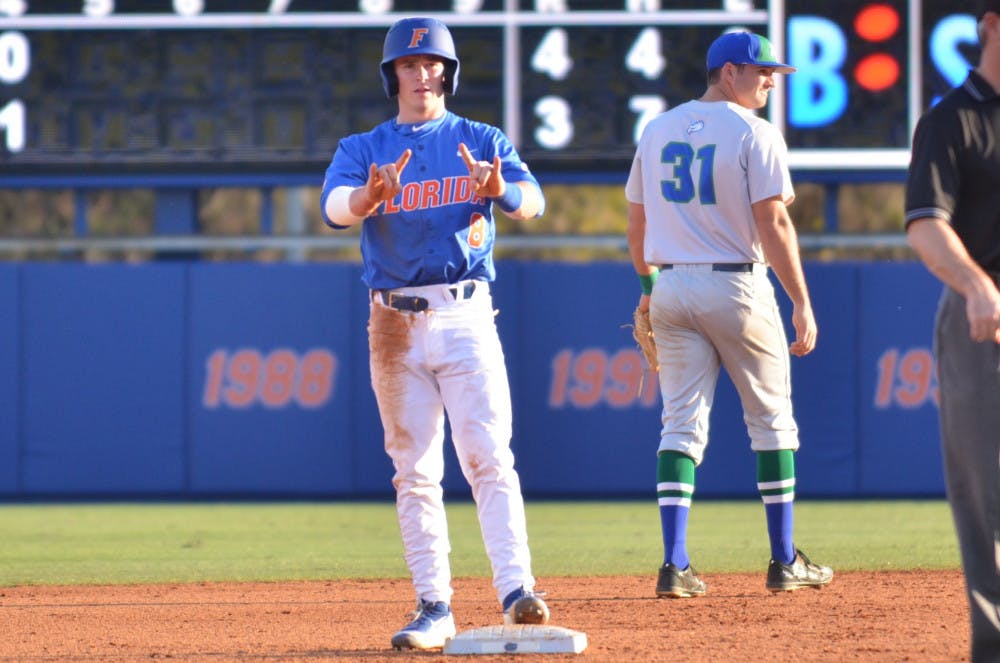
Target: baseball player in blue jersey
column 707, row 196
column 423, row 185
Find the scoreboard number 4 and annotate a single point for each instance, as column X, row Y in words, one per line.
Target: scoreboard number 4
column 552, row 55
column 646, row 54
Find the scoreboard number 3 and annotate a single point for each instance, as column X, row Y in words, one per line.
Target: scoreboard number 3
column 556, row 128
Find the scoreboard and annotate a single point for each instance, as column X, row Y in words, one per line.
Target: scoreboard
column 133, row 87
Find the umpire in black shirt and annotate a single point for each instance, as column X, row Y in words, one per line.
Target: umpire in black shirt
column 953, row 224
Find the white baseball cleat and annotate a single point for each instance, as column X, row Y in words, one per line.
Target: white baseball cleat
column 433, row 625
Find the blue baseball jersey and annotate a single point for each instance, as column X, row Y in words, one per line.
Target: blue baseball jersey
column 435, row 230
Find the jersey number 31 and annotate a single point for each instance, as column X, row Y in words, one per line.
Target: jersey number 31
column 681, row 187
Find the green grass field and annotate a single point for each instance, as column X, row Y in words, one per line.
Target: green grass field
column 144, row 543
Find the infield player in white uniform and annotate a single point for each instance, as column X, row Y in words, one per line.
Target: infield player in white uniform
column 707, row 196
column 423, row 186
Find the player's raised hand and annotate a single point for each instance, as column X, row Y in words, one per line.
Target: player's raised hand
column 485, row 177
column 383, row 181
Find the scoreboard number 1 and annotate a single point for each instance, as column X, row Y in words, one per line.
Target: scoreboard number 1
column 12, row 124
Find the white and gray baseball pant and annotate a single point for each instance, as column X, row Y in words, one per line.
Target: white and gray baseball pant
column 705, row 319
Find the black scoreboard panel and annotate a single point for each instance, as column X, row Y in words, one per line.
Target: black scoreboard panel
column 260, row 98
column 146, row 86
column 269, row 86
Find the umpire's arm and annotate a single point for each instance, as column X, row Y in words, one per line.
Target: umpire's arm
column 945, row 256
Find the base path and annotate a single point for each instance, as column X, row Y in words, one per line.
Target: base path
column 861, row 616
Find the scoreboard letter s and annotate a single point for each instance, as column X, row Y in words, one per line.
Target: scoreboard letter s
column 817, row 93
column 945, row 39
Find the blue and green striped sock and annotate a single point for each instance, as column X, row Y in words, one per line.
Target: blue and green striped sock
column 674, row 487
column 776, row 484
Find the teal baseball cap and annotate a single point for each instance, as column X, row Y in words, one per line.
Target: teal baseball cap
column 744, row 48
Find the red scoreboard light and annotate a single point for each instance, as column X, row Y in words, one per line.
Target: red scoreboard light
column 875, row 24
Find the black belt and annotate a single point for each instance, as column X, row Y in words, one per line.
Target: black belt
column 724, row 267
column 418, row 304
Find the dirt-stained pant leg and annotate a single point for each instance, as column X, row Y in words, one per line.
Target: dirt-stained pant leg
column 969, row 383
column 472, row 375
column 421, row 363
column 413, row 418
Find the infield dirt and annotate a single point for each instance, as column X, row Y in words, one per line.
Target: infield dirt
column 861, row 616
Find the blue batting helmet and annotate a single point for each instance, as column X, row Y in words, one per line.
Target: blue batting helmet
column 418, row 36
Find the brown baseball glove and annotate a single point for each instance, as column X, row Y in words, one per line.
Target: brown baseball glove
column 642, row 331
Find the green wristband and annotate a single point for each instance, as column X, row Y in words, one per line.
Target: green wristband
column 647, row 281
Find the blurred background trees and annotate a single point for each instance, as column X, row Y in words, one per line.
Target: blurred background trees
column 574, row 214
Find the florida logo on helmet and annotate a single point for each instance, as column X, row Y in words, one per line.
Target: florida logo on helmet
column 418, row 36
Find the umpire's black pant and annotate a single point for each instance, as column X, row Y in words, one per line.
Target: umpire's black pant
column 969, row 381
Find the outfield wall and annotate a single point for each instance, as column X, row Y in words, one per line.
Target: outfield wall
column 184, row 380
